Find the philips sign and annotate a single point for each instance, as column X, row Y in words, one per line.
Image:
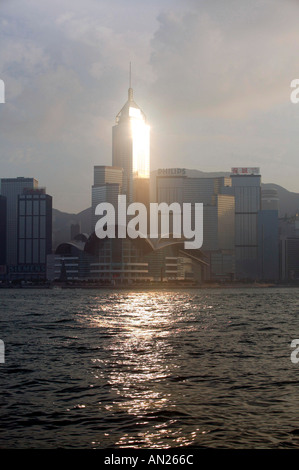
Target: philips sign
column 171, row 172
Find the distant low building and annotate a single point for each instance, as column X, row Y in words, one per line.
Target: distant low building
column 75, row 230
column 124, row 261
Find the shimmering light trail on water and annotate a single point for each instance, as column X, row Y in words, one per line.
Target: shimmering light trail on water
column 97, row 369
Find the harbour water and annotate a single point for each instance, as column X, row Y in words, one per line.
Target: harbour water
column 206, row 368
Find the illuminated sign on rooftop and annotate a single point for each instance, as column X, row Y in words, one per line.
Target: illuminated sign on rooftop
column 245, row 171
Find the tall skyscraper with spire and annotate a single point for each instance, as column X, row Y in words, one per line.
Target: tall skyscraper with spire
column 131, row 149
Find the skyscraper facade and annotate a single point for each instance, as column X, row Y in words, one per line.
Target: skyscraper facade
column 34, row 234
column 119, row 259
column 11, row 188
column 3, row 234
column 246, row 186
column 268, row 236
column 172, row 185
column 131, row 145
column 107, row 185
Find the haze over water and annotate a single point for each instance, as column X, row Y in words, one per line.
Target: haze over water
column 104, row 368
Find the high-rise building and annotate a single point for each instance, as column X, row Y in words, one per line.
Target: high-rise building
column 173, row 185
column 289, row 259
column 2, row 233
column 103, row 174
column 131, row 146
column 268, row 245
column 269, row 199
column 107, row 185
column 246, row 187
column 129, row 176
column 268, row 236
column 34, row 233
column 11, row 188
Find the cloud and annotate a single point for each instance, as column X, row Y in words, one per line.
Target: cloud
column 225, row 59
column 66, row 71
column 212, row 77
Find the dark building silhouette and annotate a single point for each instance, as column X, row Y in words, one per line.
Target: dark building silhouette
column 11, row 188
column 34, row 240
column 3, row 215
column 246, row 186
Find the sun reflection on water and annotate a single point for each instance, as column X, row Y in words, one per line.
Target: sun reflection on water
column 138, row 362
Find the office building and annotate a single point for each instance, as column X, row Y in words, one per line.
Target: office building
column 131, row 146
column 34, row 237
column 289, row 259
column 3, row 217
column 268, row 236
column 11, row 188
column 269, row 199
column 246, row 187
column 103, row 174
column 107, row 185
column 173, row 185
column 268, row 245
column 129, row 176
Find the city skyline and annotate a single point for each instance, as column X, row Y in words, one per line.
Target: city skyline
column 235, row 223
column 149, row 227
column 215, row 84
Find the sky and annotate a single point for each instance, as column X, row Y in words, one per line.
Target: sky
column 212, row 77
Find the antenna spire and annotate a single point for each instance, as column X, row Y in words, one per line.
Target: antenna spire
column 130, row 74
column 130, row 84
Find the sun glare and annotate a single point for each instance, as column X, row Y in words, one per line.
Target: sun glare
column 141, row 144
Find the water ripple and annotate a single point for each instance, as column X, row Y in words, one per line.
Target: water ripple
column 200, row 368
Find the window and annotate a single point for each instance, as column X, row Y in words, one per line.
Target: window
column 35, row 256
column 36, row 207
column 43, row 207
column 21, row 251
column 28, row 251
column 35, row 227
column 22, row 227
column 22, row 207
column 29, row 207
column 28, row 227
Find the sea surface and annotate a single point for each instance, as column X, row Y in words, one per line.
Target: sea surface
column 204, row 368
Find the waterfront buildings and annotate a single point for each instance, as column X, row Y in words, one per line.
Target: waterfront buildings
column 289, row 258
column 28, row 235
column 174, row 185
column 246, row 186
column 124, row 260
column 268, row 236
column 131, row 149
column 34, row 240
column 289, row 248
column 107, row 185
column 11, row 188
column 3, row 235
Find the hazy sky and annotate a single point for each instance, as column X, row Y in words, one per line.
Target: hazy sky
column 213, row 78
